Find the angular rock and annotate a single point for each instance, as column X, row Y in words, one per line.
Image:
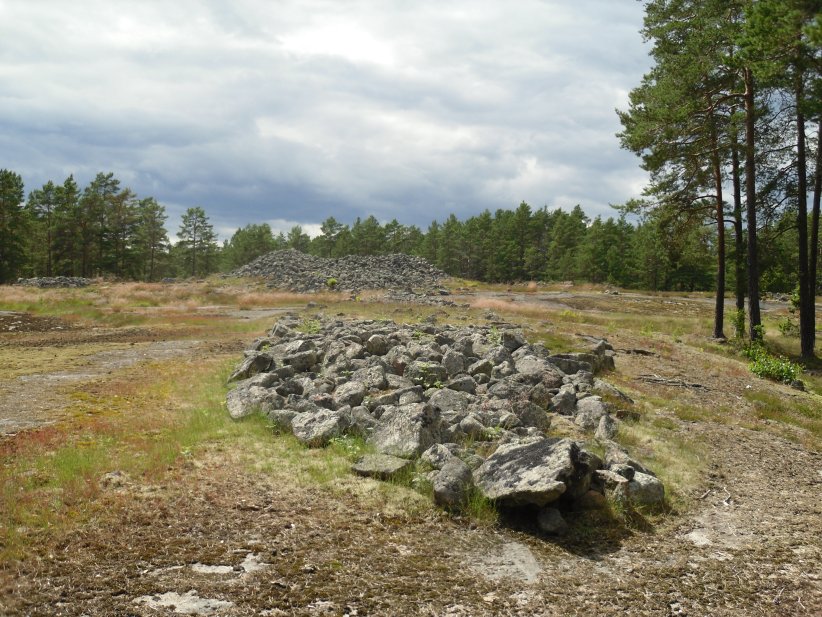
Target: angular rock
column 436, row 456
column 541, row 395
column 407, row 431
column 452, row 483
column 242, row 402
column 645, row 490
column 550, row 521
column 564, row 402
column 253, row 364
column 452, row 405
column 453, row 362
column 528, row 473
column 425, row 374
column 530, row 414
column 377, row 345
column 351, row 393
column 471, row 426
column 464, row 383
column 483, row 366
column 607, row 428
column 380, row 466
column 589, row 412
column 603, row 388
column 301, row 361
column 570, row 364
column 281, row 418
column 372, row 377
column 362, row 422
column 512, row 340
column 318, row 428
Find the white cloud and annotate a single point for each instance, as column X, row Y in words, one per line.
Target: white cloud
column 306, row 109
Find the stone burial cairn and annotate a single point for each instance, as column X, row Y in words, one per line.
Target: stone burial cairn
column 55, row 281
column 296, row 271
column 428, row 392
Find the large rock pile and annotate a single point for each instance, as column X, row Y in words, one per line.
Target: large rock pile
column 298, row 271
column 55, row 281
column 423, row 393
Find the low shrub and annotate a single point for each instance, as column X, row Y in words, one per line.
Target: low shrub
column 765, row 364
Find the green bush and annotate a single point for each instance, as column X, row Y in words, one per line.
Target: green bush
column 766, row 365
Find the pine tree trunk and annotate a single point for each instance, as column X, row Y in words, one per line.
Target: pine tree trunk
column 750, row 203
column 719, row 307
column 739, row 240
column 806, row 316
column 814, row 248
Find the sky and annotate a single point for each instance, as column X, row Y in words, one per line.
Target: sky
column 291, row 111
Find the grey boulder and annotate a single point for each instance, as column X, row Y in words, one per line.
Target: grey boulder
column 528, row 473
column 380, row 466
column 316, row 429
column 452, row 483
column 407, row 430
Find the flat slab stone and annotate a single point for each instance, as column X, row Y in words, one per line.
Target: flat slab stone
column 185, row 604
column 536, row 472
column 380, row 466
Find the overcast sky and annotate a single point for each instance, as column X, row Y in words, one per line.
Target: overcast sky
column 291, row 111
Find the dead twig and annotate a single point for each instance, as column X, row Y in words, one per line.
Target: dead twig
column 665, row 381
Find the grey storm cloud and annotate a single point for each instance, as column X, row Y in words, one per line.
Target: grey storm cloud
column 293, row 111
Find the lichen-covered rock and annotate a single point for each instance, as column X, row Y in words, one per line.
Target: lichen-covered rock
column 436, row 456
column 607, row 428
column 426, row 373
column 528, row 473
column 380, row 466
column 407, row 431
column 452, row 483
column 351, row 393
column 564, row 402
column 589, row 412
column 410, row 390
column 253, row 364
column 317, row 428
column 645, row 490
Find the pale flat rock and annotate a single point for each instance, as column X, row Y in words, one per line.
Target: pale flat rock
column 188, row 603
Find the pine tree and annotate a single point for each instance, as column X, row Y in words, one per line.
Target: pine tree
column 12, row 225
column 41, row 206
column 151, row 236
column 197, row 242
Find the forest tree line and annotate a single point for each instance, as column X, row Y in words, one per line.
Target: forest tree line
column 106, row 230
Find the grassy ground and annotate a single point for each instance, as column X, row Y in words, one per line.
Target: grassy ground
column 144, row 441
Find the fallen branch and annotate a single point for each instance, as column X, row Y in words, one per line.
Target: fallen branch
column 677, row 383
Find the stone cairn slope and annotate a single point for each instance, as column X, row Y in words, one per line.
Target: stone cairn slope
column 421, row 395
column 55, row 281
column 296, row 271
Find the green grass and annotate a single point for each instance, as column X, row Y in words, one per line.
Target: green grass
column 804, row 413
column 50, row 476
